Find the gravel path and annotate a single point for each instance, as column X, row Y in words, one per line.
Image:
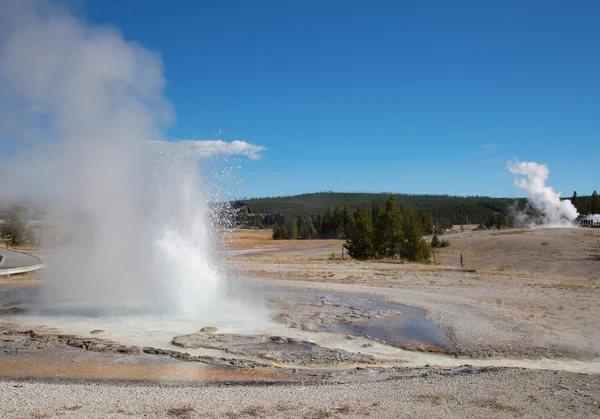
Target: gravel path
column 502, row 393
column 12, row 259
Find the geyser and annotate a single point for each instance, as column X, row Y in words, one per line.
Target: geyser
column 86, row 108
column 532, row 177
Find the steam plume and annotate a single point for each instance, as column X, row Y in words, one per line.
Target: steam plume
column 532, row 177
column 86, row 104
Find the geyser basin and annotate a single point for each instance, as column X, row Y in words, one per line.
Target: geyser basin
column 358, row 314
column 301, row 347
column 300, row 319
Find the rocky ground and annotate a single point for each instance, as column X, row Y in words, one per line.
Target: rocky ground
column 505, row 393
column 525, row 298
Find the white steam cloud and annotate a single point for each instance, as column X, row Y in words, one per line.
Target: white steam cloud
column 209, row 148
column 532, row 177
column 86, row 105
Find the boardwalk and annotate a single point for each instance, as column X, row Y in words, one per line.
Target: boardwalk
column 17, row 262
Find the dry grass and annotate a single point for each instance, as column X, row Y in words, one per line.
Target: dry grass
column 509, row 232
column 247, row 238
column 248, row 412
column 495, row 404
column 434, row 398
column 184, row 411
column 320, row 414
column 344, row 409
column 40, row 414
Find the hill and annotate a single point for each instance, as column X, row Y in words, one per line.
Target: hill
column 452, row 209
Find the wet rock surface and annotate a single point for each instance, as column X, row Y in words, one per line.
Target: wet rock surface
column 360, row 315
column 277, row 348
column 209, row 329
column 15, row 340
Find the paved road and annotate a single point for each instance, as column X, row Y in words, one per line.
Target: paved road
column 13, row 259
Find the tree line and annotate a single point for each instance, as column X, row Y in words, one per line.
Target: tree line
column 15, row 231
column 586, row 204
column 389, row 230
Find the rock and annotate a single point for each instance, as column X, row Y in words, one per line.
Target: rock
column 209, row 329
column 283, row 318
column 97, row 332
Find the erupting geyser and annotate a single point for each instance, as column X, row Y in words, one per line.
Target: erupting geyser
column 532, row 177
column 88, row 107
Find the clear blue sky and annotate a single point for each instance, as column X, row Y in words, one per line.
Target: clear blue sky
column 415, row 96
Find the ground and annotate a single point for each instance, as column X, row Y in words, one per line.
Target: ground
column 520, row 314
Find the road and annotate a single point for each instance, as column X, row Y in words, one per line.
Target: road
column 12, row 260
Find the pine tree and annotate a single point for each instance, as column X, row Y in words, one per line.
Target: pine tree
column 304, row 232
column 348, row 218
column 276, row 232
column 327, row 226
column 595, row 205
column 14, row 230
column 284, row 233
column 574, row 199
column 392, row 228
column 358, row 241
column 291, row 226
column 338, row 222
column 378, row 222
column 415, row 247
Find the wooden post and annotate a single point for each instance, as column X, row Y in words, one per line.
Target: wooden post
column 433, row 253
column 461, row 261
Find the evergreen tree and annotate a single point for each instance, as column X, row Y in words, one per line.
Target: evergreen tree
column 378, row 222
column 435, row 241
column 277, row 232
column 426, row 221
column 284, row 233
column 358, row 240
column 304, row 232
column 392, row 228
column 574, row 199
column 595, row 205
column 338, row 222
column 348, row 218
column 327, row 225
column 14, row 230
column 291, row 227
column 415, row 247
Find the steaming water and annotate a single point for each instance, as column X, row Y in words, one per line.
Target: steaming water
column 132, row 230
column 532, row 177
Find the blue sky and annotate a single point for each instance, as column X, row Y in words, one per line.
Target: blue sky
column 415, row 97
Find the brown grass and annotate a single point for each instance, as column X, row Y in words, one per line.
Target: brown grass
column 434, row 398
column 344, row 409
column 321, row 414
column 495, row 404
column 509, row 232
column 250, row 411
column 184, row 411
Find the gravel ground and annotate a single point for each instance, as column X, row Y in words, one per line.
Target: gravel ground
column 498, row 394
column 474, row 332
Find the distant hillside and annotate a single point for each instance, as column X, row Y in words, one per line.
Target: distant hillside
column 454, row 209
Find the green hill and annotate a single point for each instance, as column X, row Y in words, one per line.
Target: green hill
column 452, row 209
